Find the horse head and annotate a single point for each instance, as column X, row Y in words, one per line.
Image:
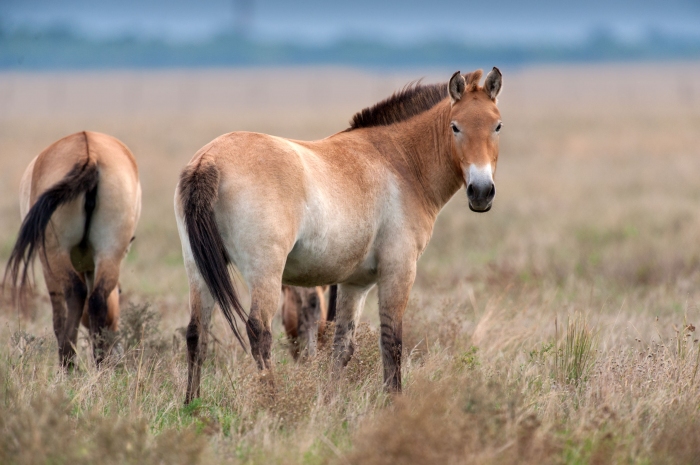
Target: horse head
column 475, row 124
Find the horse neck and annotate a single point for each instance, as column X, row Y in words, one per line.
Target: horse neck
column 424, row 156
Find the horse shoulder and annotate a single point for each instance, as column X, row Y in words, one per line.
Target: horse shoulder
column 408, row 226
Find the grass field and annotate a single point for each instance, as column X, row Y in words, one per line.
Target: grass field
column 557, row 328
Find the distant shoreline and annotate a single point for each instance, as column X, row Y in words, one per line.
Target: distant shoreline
column 57, row 50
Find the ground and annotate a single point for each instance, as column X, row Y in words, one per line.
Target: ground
column 557, row 328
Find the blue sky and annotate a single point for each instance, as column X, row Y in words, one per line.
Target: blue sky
column 319, row 22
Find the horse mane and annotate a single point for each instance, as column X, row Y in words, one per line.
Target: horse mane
column 412, row 100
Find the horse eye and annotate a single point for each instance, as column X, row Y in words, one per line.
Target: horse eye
column 498, row 128
column 455, row 129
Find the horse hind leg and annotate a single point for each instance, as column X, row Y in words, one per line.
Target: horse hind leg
column 105, row 281
column 201, row 306
column 76, row 295
column 58, row 303
column 68, row 292
column 264, row 301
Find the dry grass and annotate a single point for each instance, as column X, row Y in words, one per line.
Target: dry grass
column 558, row 328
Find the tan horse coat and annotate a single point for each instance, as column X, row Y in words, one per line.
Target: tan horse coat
column 80, row 200
column 356, row 208
column 305, row 312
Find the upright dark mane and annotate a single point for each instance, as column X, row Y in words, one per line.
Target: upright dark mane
column 410, row 101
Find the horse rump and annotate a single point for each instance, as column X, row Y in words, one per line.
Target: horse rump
column 82, row 178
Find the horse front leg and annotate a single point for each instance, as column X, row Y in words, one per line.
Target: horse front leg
column 394, row 291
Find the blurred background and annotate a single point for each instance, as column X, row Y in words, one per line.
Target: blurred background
column 46, row 34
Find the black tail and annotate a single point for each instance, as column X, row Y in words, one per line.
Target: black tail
column 32, row 234
column 332, row 302
column 199, row 187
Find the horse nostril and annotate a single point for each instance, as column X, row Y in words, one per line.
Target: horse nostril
column 477, row 192
column 492, row 192
column 470, row 191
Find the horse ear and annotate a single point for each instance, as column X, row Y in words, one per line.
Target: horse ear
column 494, row 83
column 456, row 86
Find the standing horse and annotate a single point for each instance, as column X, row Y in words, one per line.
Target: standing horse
column 357, row 208
column 305, row 313
column 80, row 200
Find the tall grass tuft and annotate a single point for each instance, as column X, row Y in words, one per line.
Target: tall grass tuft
column 575, row 354
column 139, row 334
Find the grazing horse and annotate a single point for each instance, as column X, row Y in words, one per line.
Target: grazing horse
column 80, row 200
column 304, row 316
column 357, row 209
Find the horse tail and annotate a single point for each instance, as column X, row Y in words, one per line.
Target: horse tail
column 332, row 302
column 199, row 185
column 82, row 178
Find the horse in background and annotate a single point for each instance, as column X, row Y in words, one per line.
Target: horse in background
column 356, row 208
column 80, row 201
column 305, row 312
